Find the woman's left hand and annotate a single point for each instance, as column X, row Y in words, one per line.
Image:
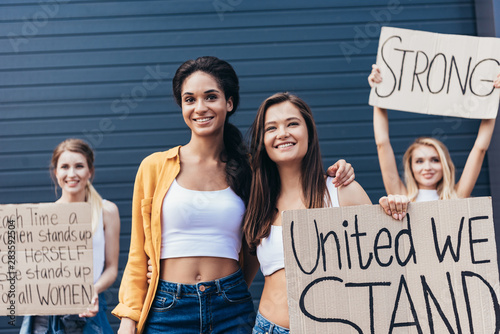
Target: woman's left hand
column 93, row 309
column 342, row 172
column 395, row 205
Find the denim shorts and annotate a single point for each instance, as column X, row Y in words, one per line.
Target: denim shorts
column 264, row 326
column 220, row 306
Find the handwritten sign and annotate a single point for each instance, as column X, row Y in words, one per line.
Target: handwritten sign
column 356, row 270
column 437, row 74
column 45, row 259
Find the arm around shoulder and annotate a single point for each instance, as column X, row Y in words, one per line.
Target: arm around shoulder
column 353, row 194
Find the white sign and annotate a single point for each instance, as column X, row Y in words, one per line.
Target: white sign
column 437, row 74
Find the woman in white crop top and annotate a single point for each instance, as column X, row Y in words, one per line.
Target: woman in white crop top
column 72, row 168
column 287, row 174
column 427, row 162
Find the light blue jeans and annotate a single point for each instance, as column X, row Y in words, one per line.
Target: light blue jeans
column 264, row 326
column 221, row 306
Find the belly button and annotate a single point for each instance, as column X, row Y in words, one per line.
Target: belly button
column 198, row 277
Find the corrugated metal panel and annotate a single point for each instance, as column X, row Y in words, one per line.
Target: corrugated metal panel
column 101, row 70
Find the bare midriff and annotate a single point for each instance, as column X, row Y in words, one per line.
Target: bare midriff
column 273, row 302
column 192, row 270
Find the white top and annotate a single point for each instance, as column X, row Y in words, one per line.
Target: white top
column 201, row 223
column 425, row 195
column 98, row 248
column 270, row 251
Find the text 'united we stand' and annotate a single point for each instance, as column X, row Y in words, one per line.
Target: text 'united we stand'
column 356, row 270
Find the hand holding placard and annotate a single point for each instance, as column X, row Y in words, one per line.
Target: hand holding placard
column 437, row 74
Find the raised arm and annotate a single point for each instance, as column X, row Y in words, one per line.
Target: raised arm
column 386, row 158
column 476, row 156
column 475, row 159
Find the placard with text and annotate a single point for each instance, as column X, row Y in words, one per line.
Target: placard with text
column 437, row 74
column 357, row 270
column 46, row 264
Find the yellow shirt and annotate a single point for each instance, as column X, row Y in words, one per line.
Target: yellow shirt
column 154, row 177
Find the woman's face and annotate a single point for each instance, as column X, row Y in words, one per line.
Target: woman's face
column 426, row 166
column 204, row 106
column 285, row 134
column 72, row 173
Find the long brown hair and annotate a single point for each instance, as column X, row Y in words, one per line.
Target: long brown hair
column 266, row 185
column 91, row 195
column 446, row 186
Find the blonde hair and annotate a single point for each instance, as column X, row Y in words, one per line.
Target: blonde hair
column 445, row 186
column 91, row 195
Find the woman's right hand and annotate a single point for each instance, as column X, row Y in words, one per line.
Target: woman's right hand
column 375, row 77
column 127, row 326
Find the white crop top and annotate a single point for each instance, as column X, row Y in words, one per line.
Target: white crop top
column 270, row 250
column 201, row 223
column 425, row 195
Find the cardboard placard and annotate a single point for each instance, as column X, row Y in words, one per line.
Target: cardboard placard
column 46, row 263
column 356, row 270
column 437, row 74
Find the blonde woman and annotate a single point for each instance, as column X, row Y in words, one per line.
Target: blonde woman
column 429, row 172
column 72, row 167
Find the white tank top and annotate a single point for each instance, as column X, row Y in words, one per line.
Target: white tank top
column 425, row 195
column 201, row 223
column 270, row 251
column 98, row 251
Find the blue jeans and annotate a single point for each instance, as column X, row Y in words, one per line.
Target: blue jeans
column 262, row 325
column 99, row 324
column 221, row 306
column 65, row 324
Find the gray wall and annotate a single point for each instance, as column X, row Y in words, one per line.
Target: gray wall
column 101, row 71
column 488, row 24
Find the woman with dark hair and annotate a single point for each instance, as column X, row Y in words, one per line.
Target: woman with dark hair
column 288, row 175
column 72, row 168
column 186, row 217
column 187, row 212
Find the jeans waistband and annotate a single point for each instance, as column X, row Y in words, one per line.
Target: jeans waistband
column 266, row 324
column 209, row 287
